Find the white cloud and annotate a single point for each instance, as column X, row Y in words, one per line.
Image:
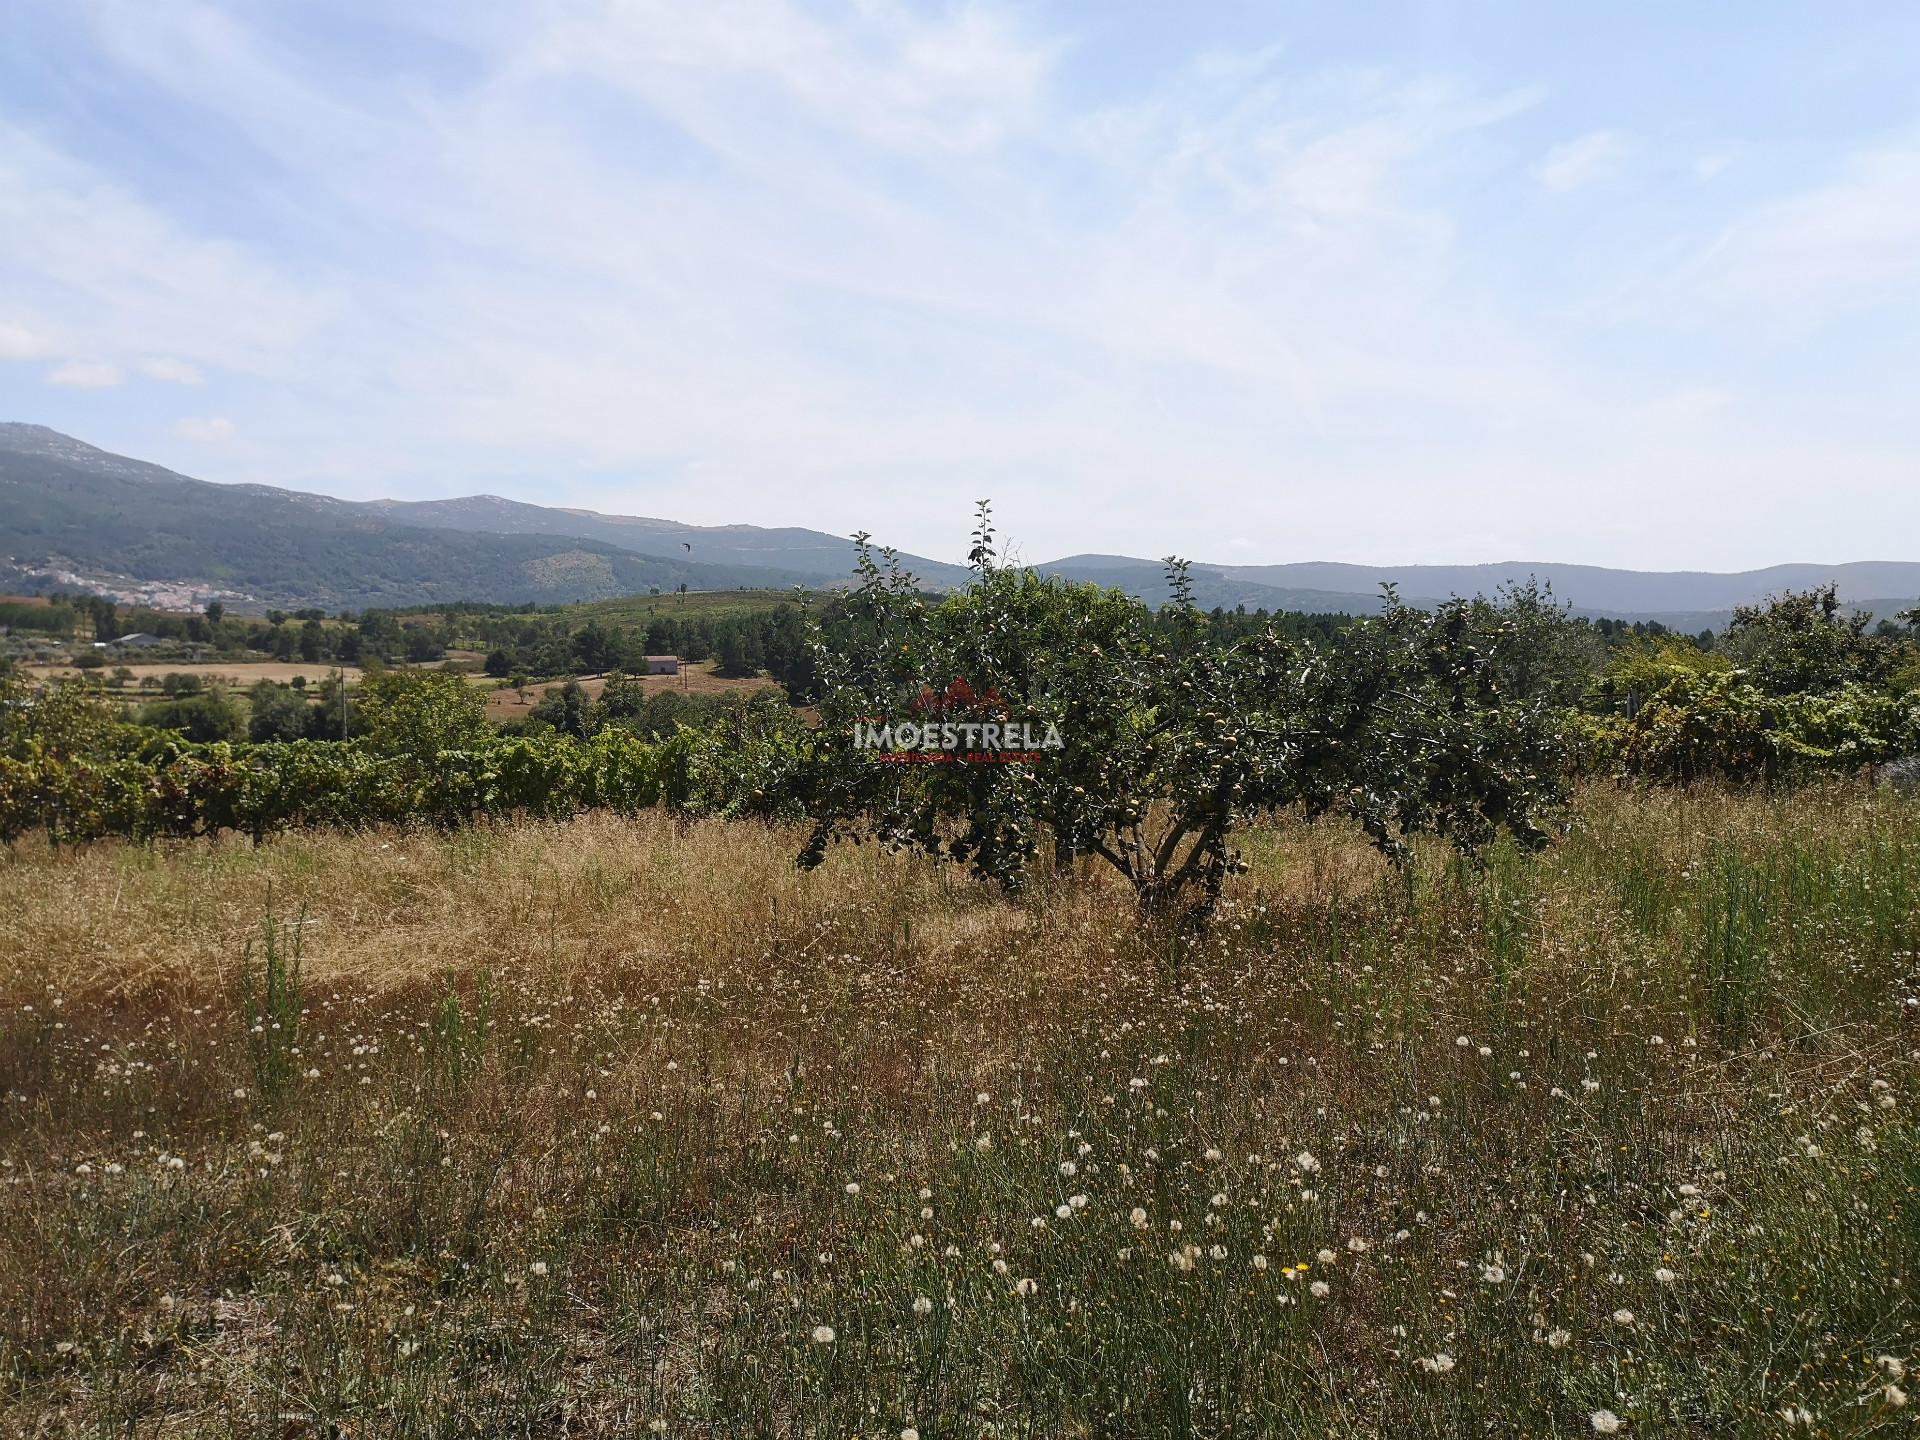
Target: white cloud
column 214, row 430
column 1853, row 241
column 127, row 280
column 1586, row 161
column 17, row 342
column 882, row 72
column 86, row 375
column 170, row 370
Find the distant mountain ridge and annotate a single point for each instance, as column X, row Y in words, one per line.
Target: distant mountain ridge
column 1681, row 599
column 68, row 506
column 66, row 502
column 812, row 552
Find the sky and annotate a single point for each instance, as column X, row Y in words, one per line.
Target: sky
column 1627, row 284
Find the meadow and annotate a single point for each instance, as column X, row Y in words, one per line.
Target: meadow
column 622, row 1124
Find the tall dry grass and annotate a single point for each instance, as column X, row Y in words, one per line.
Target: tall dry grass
column 595, row 1127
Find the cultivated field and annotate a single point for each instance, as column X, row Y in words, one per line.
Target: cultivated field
column 624, row 1125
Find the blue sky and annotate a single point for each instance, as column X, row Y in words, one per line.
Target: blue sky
column 1631, row 284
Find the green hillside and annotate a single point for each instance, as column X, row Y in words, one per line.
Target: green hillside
column 61, row 507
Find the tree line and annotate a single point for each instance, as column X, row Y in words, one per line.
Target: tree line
column 1177, row 730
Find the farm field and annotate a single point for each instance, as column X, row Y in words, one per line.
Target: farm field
column 235, row 673
column 624, row 1125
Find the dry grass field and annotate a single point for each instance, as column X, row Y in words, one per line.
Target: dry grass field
column 236, row 674
column 625, row 1126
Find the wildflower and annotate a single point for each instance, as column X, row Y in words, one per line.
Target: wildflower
column 1665, row 1276
column 1139, row 1218
column 823, row 1334
column 1494, row 1273
column 1623, row 1317
column 538, row 1269
column 1212, row 1156
column 1063, row 1212
column 1357, row 1245
column 1559, row 1339
column 1306, row 1164
column 1605, row 1422
column 1319, row 1289
column 1438, row 1364
column 1068, row 1168
column 1217, row 1252
column 1589, row 1085
column 1797, row 1417
column 657, row 1425
column 1894, row 1396
column 1891, row 1366
column 1260, row 1262
column 1024, row 1287
column 853, row 1187
column 922, row 1305
column 909, row 1434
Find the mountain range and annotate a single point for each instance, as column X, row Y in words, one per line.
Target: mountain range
column 69, row 508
